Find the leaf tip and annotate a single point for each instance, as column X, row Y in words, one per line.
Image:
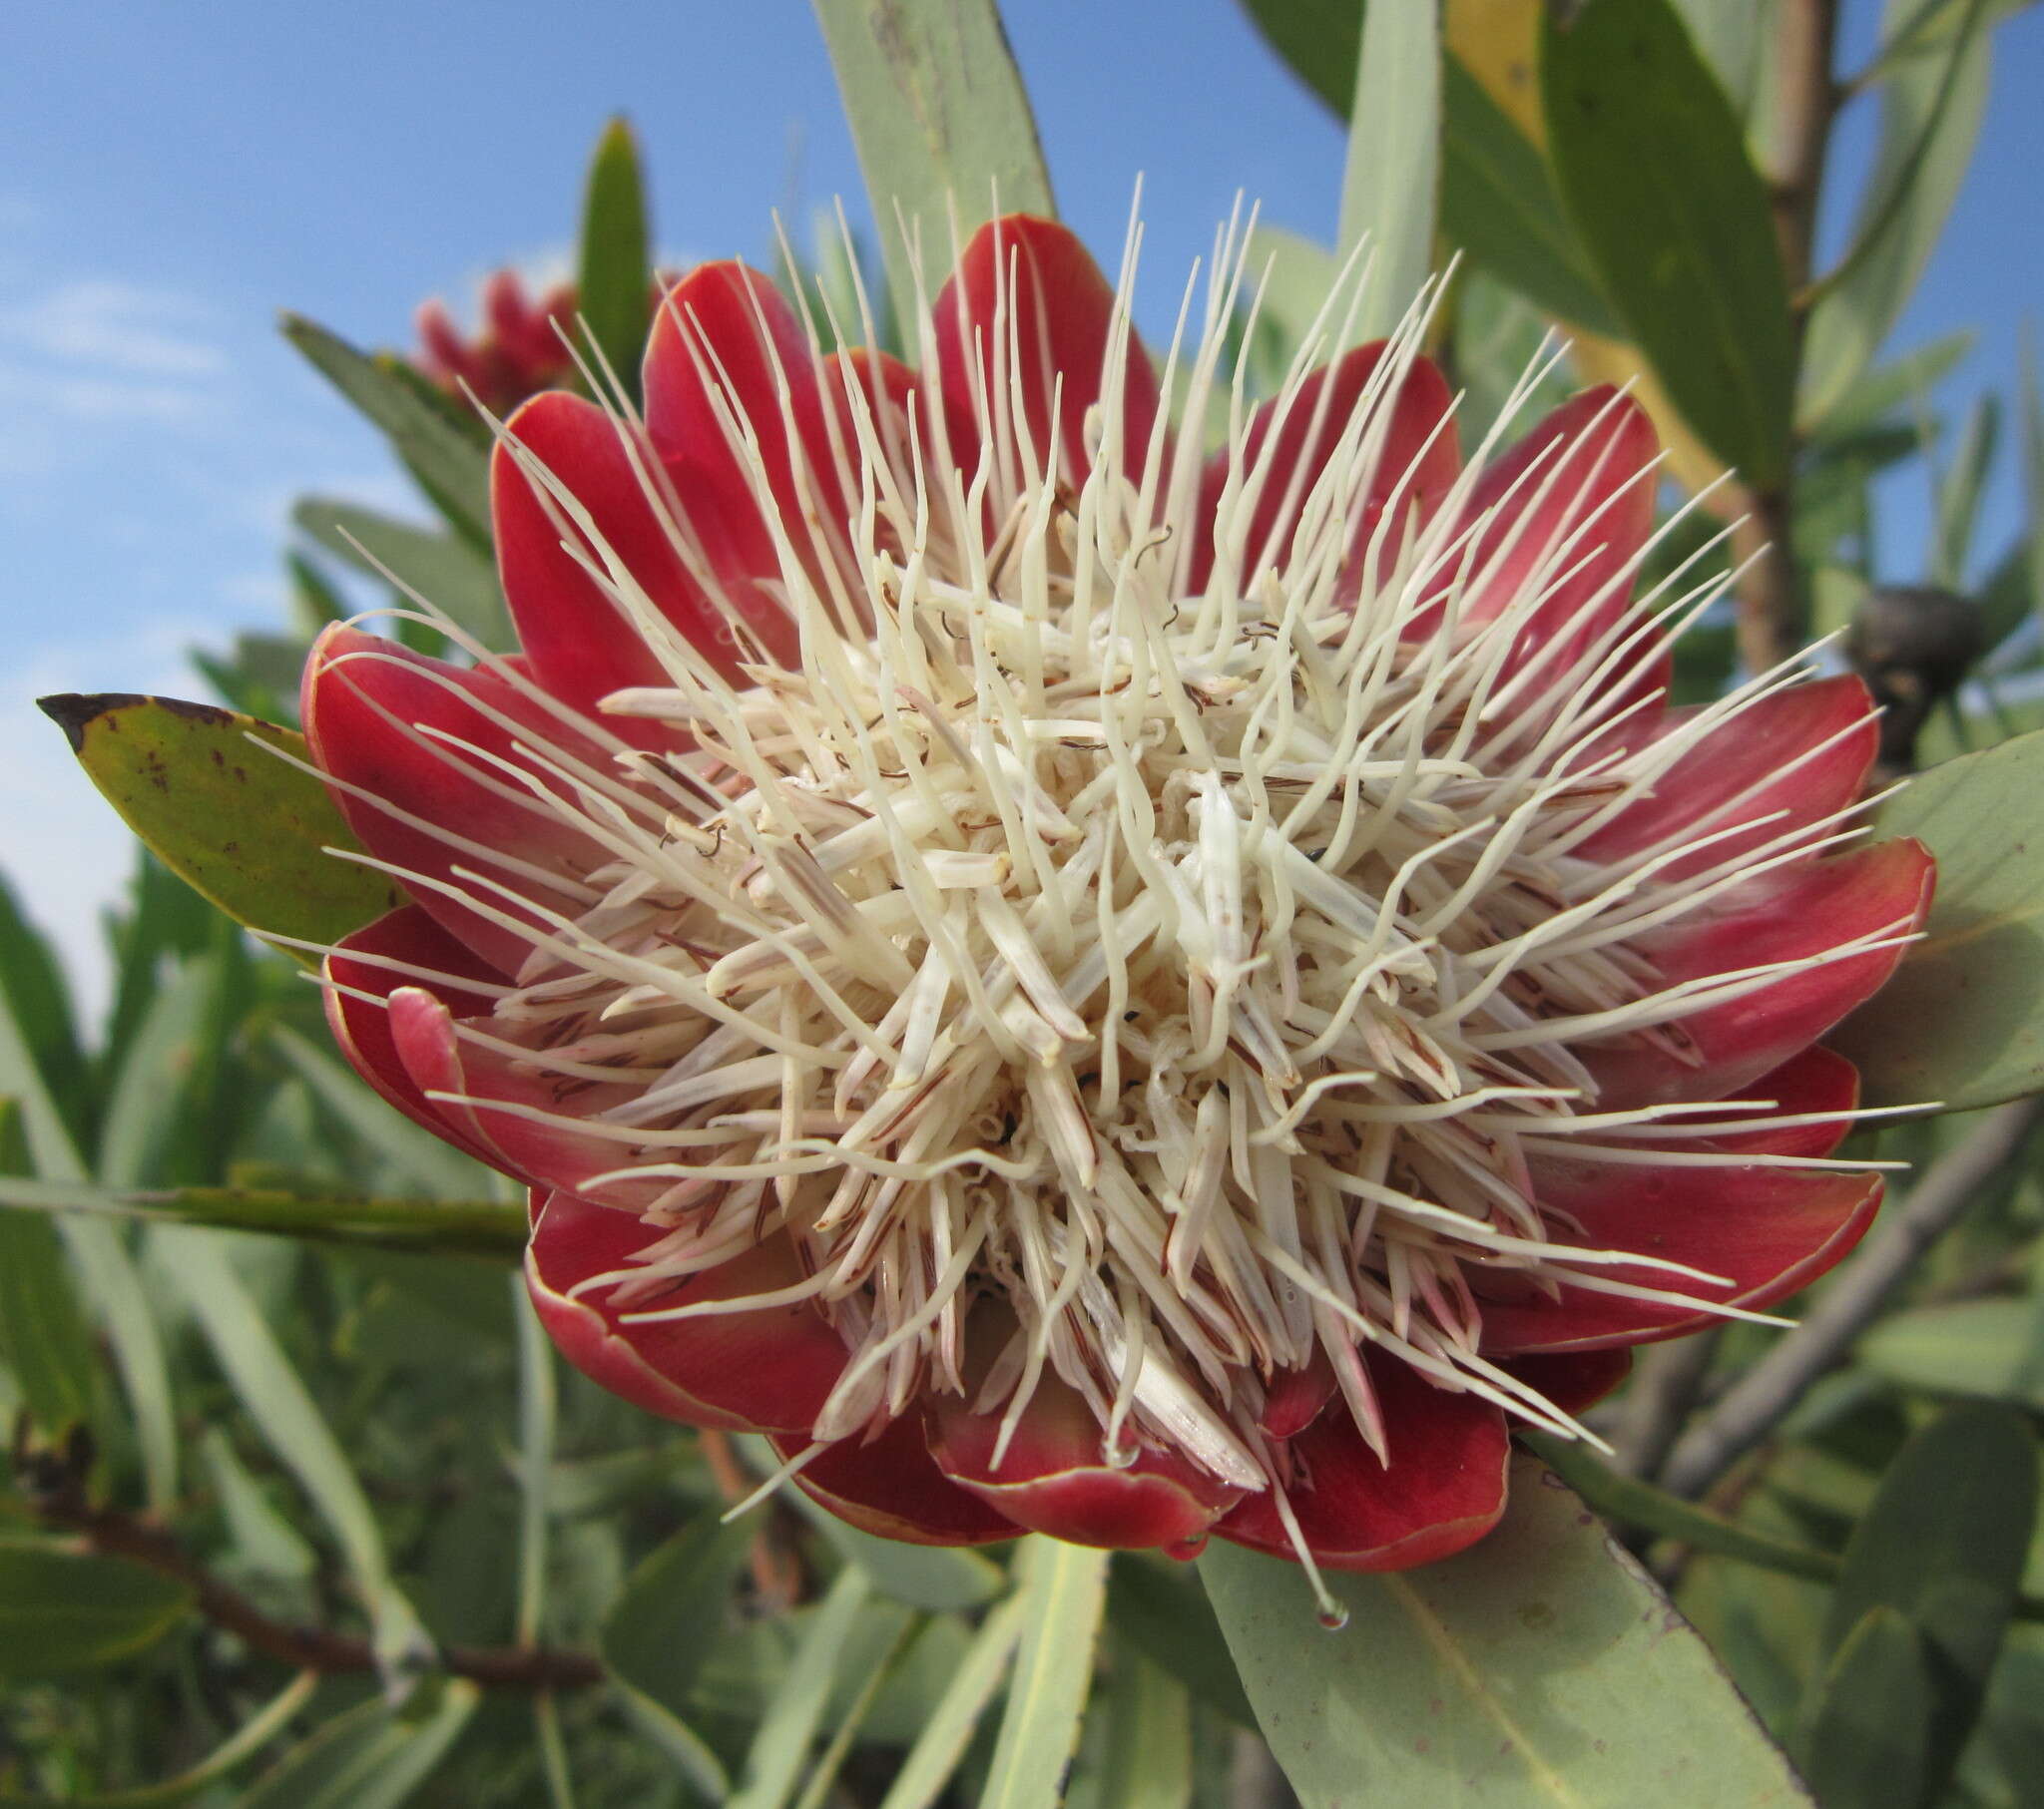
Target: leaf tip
column 74, row 712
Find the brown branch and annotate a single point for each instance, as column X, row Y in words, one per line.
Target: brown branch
column 117, row 1535
column 1769, row 592
column 1763, row 1397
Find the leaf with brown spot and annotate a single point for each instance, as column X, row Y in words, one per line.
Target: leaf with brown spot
column 243, row 828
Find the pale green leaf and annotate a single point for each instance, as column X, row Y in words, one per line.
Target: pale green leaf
column 781, row 1747
column 416, row 1158
column 1994, row 1348
column 942, row 122
column 107, row 1274
column 1063, row 1589
column 1138, row 1750
column 954, row 1716
column 1904, row 382
column 1390, row 187
column 1961, row 1024
column 1931, row 107
column 275, row 1397
column 1541, row 1666
column 370, row 1757
column 449, row 459
column 1960, row 487
column 446, row 571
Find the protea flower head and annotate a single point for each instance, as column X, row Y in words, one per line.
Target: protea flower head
column 517, row 350
column 1086, row 984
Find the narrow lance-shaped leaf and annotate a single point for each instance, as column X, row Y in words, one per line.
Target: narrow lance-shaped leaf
column 782, row 1742
column 1960, row 491
column 240, row 827
column 1390, row 187
column 1497, row 201
column 109, row 1282
column 942, row 121
column 275, row 1397
column 44, row 1343
column 1943, row 1546
column 1962, row 1022
column 449, row 457
column 71, row 1610
column 445, row 569
column 614, row 274
column 1651, row 164
column 1867, row 1723
column 1063, row 1589
column 1541, row 1666
column 1931, row 107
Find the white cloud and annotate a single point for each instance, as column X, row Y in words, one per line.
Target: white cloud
column 116, row 326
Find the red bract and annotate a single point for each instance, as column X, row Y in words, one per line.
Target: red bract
column 1084, row 983
column 516, row 352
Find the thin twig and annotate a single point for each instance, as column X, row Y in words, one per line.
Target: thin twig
column 1757, row 1402
column 116, row 1535
column 1666, row 1386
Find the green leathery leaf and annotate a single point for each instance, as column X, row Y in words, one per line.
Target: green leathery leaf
column 1138, row 1750
column 1157, row 1604
column 492, row 1228
column 1498, row 203
column 415, row 1156
column 1652, row 166
column 1994, row 1348
column 781, row 1745
column 1541, row 1666
column 937, row 1578
column 229, row 1756
column 241, row 827
column 1866, row 1722
column 1961, row 1023
column 614, row 268
column 1959, row 490
column 108, row 1280
column 1943, row 1546
column 954, row 1716
column 371, row 1757
column 441, row 567
column 1931, row 108
column 1904, row 382
column 63, row 1610
column 449, row 459
column 39, row 995
column 1063, row 1589
column 1319, row 39
column 44, row 1343
column 1497, row 199
column 942, row 122
column 275, row 1398
column 1634, row 1503
column 683, row 1584
column 1391, row 186
column 2031, row 402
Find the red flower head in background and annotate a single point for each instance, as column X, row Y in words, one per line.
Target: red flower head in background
column 515, row 353
column 1085, row 984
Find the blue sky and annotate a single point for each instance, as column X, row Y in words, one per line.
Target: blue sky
column 170, row 177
